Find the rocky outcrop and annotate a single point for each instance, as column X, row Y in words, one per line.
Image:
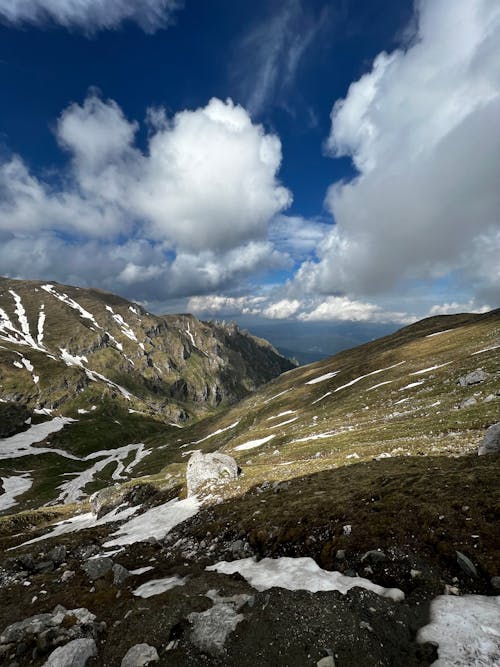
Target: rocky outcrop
column 215, row 467
column 491, row 441
column 75, row 653
column 474, row 377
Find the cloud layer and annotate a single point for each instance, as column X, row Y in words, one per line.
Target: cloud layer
column 422, row 129
column 190, row 212
column 89, row 15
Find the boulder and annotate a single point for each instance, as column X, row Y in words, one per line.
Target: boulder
column 474, row 377
column 491, row 441
column 95, row 568
column 73, row 654
column 139, row 655
column 120, row 574
column 214, row 467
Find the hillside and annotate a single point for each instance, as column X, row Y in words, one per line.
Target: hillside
column 359, row 477
column 63, row 347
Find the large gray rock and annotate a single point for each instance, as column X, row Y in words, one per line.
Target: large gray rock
column 474, row 377
column 211, row 627
column 72, row 654
column 95, row 568
column 139, row 655
column 491, row 441
column 215, row 467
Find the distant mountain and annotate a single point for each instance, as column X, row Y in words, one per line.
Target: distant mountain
column 68, row 348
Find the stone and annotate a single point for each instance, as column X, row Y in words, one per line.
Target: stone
column 328, row 661
column 107, row 499
column 374, row 556
column 73, row 654
column 139, row 655
column 215, row 467
column 211, row 627
column 469, row 402
column 95, row 568
column 58, row 554
column 120, row 574
column 495, row 582
column 27, row 562
column 66, row 575
column 466, row 564
column 340, row 555
column 474, row 377
column 491, row 441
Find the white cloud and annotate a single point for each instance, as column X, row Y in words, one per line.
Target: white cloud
column 282, row 310
column 202, row 194
column 341, row 308
column 454, row 307
column 271, row 53
column 308, row 309
column 297, row 236
column 89, row 15
column 422, row 129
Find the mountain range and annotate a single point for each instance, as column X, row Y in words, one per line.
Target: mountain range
column 349, row 518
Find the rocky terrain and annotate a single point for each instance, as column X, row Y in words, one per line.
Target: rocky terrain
column 338, row 516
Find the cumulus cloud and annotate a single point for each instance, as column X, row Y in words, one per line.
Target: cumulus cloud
column 341, row 308
column 422, row 129
column 195, row 205
column 455, row 307
column 89, row 15
column 307, row 309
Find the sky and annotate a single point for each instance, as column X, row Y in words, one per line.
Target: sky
column 305, row 161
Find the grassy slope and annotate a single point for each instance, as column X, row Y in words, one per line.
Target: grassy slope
column 420, row 435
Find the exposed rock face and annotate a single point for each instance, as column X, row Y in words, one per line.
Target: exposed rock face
column 76, row 340
column 50, row 630
column 139, row 655
column 475, row 377
column 209, row 467
column 74, row 654
column 491, row 441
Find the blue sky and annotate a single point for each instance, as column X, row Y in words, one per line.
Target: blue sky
column 315, row 161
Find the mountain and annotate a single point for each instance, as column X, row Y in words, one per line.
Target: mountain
column 68, row 348
column 356, row 511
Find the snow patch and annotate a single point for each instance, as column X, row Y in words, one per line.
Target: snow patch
column 486, row 349
column 156, row 522
column 217, row 432
column 298, row 574
column 21, row 444
column 287, row 421
column 282, row 414
column 438, row 333
column 412, row 384
column 12, row 488
column 322, row 378
column 64, row 298
column 277, row 395
column 158, row 586
column 361, row 377
column 328, row 393
column 253, row 443
column 431, row 368
column 466, row 629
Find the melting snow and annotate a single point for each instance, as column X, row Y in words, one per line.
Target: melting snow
column 282, row 414
column 21, row 444
column 141, row 570
column 84, row 314
column 277, row 395
column 125, row 328
column 288, row 421
column 486, row 349
column 466, row 629
column 70, row 360
column 431, row 368
column 361, row 377
column 380, row 384
column 328, row 393
column 82, row 521
column 13, row 487
column 298, row 574
column 156, row 522
column 438, row 333
column 158, row 586
column 412, row 384
column 217, row 432
column 253, row 443
column 322, row 378
column 41, row 322
column 74, row 489
column 190, row 335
